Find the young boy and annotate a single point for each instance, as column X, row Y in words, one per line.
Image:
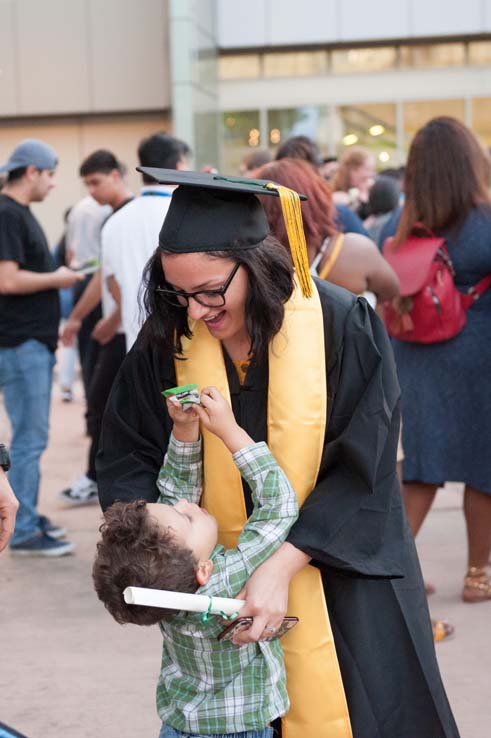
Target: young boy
column 206, row 686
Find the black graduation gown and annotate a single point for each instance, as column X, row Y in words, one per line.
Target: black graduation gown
column 352, row 524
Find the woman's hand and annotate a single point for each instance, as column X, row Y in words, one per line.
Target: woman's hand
column 266, row 593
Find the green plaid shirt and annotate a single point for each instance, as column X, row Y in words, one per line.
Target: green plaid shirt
column 208, row 686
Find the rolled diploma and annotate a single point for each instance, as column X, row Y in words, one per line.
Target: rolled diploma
column 181, row 601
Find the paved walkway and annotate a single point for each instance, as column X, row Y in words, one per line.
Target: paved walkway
column 68, row 671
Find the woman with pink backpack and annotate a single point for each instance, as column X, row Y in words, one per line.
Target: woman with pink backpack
column 441, row 326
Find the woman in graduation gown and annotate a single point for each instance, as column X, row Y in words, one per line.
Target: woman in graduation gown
column 307, row 367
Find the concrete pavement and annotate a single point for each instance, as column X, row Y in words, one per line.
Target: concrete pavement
column 68, row 671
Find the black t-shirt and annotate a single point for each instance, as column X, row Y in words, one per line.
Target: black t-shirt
column 35, row 315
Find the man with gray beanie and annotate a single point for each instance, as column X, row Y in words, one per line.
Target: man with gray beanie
column 29, row 316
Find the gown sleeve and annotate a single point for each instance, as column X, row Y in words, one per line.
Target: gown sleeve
column 353, row 519
column 136, row 429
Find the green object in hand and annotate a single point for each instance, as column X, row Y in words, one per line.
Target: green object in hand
column 186, row 394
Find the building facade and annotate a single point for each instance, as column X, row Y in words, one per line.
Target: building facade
column 82, row 75
column 228, row 77
column 350, row 73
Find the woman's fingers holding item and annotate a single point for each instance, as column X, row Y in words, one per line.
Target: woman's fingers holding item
column 262, row 626
column 263, row 620
column 252, row 634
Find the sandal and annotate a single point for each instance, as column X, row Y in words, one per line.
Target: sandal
column 442, row 630
column 477, row 585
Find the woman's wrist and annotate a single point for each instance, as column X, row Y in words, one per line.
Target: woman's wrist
column 290, row 560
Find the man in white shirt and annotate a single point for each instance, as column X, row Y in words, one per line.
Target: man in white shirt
column 131, row 235
column 103, row 176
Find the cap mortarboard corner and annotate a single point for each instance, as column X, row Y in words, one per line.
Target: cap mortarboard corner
column 210, row 212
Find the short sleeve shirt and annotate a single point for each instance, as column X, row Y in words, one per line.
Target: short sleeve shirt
column 129, row 239
column 35, row 315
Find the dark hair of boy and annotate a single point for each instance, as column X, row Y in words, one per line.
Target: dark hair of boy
column 136, row 552
column 102, row 161
column 161, row 150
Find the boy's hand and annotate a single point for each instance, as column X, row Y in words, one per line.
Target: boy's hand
column 216, row 416
column 186, row 422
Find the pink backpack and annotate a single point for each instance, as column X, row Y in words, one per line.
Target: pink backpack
column 430, row 307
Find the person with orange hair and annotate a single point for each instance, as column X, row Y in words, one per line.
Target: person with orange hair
column 349, row 260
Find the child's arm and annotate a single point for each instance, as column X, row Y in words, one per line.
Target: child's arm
column 275, row 511
column 181, row 473
column 275, row 502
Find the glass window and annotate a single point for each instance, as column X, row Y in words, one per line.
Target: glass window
column 416, row 114
column 205, row 147
column 346, row 61
column 295, row 64
column 481, row 119
column 240, row 134
column 433, row 55
column 308, row 121
column 372, row 126
column 239, row 66
column 480, row 52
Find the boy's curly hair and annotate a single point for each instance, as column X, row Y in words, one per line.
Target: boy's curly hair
column 135, row 551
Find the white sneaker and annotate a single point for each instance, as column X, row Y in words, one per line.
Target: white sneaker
column 82, row 492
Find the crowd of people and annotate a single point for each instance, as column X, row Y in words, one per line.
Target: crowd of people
column 193, row 281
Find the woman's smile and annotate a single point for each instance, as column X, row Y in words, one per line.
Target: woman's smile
column 216, row 321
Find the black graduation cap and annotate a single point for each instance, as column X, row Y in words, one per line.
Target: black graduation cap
column 211, row 212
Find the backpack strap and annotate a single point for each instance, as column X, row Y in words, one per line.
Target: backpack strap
column 474, row 293
column 332, row 258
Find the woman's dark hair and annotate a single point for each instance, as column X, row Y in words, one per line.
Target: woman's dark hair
column 318, row 211
column 270, row 284
column 446, row 176
column 300, row 147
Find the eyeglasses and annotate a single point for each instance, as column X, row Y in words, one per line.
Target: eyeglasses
column 207, row 298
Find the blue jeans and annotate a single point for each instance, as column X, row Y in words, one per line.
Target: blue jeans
column 168, row 732
column 26, row 374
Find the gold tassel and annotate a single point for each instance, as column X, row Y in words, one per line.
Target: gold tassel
column 292, row 214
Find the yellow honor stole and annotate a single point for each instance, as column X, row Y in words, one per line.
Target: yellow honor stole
column 297, row 409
